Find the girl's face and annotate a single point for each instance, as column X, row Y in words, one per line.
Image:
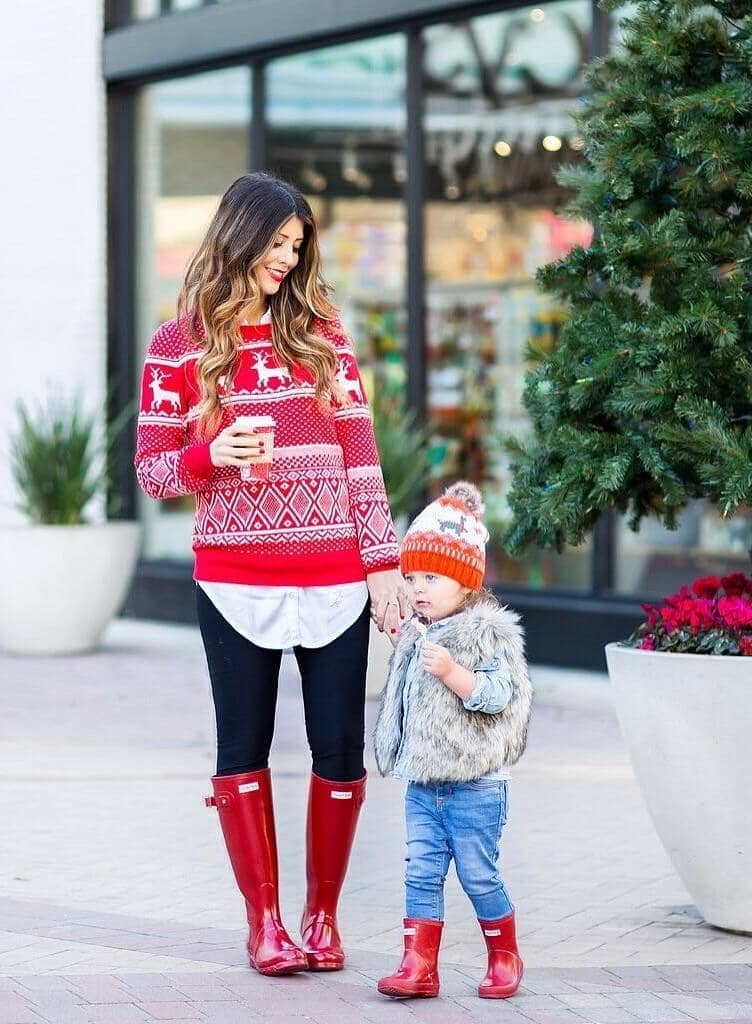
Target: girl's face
column 434, row 596
column 283, row 257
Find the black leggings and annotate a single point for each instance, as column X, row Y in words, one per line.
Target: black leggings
column 244, row 681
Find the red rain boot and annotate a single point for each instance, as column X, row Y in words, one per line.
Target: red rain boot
column 333, row 810
column 246, row 814
column 504, row 972
column 418, row 974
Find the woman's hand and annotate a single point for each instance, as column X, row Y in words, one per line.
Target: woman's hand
column 389, row 604
column 235, row 446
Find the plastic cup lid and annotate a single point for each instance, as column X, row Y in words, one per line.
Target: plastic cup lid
column 255, row 421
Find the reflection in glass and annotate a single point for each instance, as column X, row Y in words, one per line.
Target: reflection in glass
column 335, row 127
column 193, row 142
column 656, row 561
column 500, row 90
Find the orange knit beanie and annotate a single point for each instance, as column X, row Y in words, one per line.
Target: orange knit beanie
column 449, row 538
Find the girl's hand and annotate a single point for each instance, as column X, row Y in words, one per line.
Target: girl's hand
column 389, row 604
column 437, row 660
column 235, row 446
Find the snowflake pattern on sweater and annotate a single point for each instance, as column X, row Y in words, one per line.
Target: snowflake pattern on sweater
column 321, row 518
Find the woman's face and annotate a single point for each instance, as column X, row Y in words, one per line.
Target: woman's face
column 283, row 257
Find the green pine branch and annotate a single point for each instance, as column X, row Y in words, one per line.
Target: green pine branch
column 646, row 402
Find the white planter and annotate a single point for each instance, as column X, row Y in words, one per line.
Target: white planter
column 687, row 721
column 63, row 584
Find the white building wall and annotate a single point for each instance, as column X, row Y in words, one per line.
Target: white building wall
column 52, row 210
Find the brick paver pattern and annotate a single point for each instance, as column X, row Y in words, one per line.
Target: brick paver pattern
column 117, row 905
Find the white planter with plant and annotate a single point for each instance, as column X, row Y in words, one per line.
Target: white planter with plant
column 684, row 700
column 64, row 577
column 404, row 462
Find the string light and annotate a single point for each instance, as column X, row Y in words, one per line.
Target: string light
column 537, row 15
column 552, row 143
column 502, row 148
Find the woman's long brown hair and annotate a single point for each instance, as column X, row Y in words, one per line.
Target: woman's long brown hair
column 219, row 285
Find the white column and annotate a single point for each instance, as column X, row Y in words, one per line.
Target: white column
column 52, row 189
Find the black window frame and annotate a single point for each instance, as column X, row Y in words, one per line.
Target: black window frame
column 563, row 627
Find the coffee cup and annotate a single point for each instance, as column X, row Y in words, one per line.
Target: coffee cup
column 258, row 425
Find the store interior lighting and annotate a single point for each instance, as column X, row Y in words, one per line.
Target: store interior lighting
column 399, row 167
column 313, row 178
column 453, row 190
column 352, row 172
column 350, row 169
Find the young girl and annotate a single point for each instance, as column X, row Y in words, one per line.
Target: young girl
column 453, row 718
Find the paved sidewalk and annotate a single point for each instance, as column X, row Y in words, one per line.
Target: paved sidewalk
column 117, row 905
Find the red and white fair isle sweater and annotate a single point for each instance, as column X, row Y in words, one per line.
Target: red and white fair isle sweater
column 322, row 517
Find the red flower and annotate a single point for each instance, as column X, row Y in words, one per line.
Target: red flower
column 735, row 612
column 706, row 586
column 653, row 613
column 710, row 610
column 696, row 613
column 735, row 584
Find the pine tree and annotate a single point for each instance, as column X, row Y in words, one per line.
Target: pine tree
column 646, row 401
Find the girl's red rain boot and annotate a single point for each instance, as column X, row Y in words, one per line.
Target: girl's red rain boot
column 505, row 967
column 418, row 974
column 333, row 811
column 246, row 814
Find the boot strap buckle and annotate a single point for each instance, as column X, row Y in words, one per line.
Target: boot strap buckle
column 221, row 800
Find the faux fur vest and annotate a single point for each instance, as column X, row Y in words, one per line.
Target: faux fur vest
column 442, row 740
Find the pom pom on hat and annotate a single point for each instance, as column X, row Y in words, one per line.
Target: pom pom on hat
column 468, row 494
column 448, row 537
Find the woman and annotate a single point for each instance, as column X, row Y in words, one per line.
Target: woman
column 291, row 560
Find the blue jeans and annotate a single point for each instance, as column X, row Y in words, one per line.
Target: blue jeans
column 460, row 821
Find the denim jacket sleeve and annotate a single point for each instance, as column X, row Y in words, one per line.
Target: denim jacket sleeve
column 493, row 687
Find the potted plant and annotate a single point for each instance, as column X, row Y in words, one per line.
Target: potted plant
column 65, row 577
column 403, row 453
column 683, row 688
column 645, row 404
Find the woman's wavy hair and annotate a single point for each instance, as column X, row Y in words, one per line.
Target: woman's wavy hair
column 219, row 283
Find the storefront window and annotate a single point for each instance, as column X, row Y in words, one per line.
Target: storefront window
column 336, row 128
column 500, row 92
column 656, row 561
column 192, row 143
column 153, row 8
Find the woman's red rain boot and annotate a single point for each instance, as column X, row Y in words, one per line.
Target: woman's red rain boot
column 418, row 974
column 504, row 972
column 333, row 810
column 246, row 814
